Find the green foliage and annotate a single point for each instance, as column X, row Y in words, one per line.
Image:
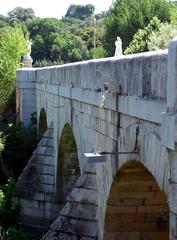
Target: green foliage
column 18, row 144
column 86, row 30
column 3, row 21
column 142, row 37
column 161, row 38
column 15, row 234
column 2, row 140
column 98, row 52
column 80, row 11
column 101, row 15
column 9, row 211
column 9, row 216
column 52, row 41
column 126, row 17
column 13, row 46
column 20, row 15
column 156, row 35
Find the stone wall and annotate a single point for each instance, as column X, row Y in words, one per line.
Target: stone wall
column 146, row 75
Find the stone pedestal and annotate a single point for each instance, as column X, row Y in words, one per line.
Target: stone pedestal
column 27, row 62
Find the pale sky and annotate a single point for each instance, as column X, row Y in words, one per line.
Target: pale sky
column 51, row 8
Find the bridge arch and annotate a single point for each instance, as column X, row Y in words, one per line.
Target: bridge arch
column 152, row 154
column 42, row 123
column 136, row 207
column 68, row 169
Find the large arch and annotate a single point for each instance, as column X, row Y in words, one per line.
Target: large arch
column 68, row 170
column 42, row 123
column 136, row 209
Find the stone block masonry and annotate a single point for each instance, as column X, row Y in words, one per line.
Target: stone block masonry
column 139, row 93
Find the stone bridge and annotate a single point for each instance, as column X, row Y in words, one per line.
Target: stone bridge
column 122, row 113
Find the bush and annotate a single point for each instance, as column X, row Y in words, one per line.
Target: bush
column 15, row 234
column 17, row 142
column 126, row 17
column 161, row 38
column 13, row 46
column 154, row 36
column 9, row 211
column 142, row 37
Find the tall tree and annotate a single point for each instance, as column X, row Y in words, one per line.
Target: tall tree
column 13, row 46
column 20, row 15
column 80, row 11
column 3, row 21
column 53, row 42
column 126, row 17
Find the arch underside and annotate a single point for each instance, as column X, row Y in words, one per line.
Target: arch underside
column 42, row 125
column 68, row 163
column 137, row 209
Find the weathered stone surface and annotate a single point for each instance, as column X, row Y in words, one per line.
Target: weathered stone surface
column 111, row 105
column 75, row 226
column 82, row 195
column 80, row 211
column 51, row 235
column 87, row 181
column 90, row 168
column 36, row 187
column 44, row 150
column 46, row 160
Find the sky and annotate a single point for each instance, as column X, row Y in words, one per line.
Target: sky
column 51, row 8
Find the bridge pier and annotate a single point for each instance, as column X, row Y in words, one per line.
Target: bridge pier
column 26, row 94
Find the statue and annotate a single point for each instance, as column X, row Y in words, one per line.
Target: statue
column 27, row 60
column 118, row 44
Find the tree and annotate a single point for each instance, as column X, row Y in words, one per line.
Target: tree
column 3, row 21
column 20, row 15
column 126, row 17
column 80, row 11
column 161, row 38
column 142, row 37
column 13, row 46
column 53, row 42
column 87, row 29
column 156, row 35
column 101, row 15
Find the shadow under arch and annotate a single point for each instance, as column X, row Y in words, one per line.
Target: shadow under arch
column 136, row 209
column 42, row 124
column 68, row 170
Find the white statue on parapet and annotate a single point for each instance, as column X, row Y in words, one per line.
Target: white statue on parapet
column 27, row 59
column 118, row 44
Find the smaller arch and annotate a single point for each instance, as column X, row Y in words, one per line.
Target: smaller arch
column 136, row 207
column 42, row 123
column 68, row 170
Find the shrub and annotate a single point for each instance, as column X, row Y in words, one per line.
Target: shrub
column 142, row 37
column 18, row 142
column 13, row 46
column 9, row 212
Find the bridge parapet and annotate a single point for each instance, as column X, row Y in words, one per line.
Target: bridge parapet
column 143, row 75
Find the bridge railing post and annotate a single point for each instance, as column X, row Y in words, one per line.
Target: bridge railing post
column 25, row 94
column 172, row 77
column 168, row 137
column 169, row 134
